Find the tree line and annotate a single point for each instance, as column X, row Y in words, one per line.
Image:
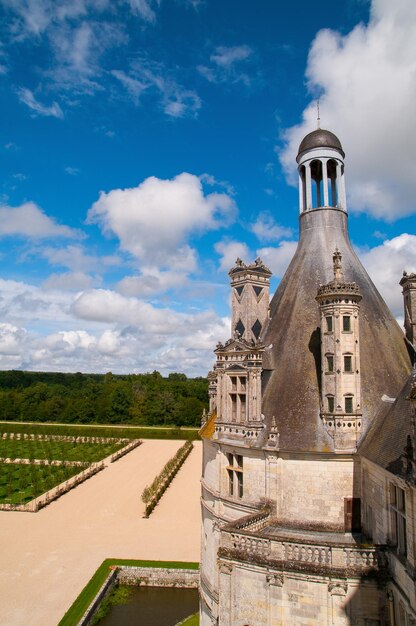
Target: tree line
column 142, row 399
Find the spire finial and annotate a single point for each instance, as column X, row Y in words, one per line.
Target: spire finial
column 337, row 258
column 318, row 120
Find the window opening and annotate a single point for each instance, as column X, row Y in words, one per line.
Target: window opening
column 239, row 327
column 398, row 519
column 348, row 404
column 330, row 363
column 346, row 323
column 256, row 328
column 235, row 475
column 331, row 403
column 347, row 363
column 329, row 325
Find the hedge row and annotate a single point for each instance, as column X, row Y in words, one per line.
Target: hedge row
column 152, row 494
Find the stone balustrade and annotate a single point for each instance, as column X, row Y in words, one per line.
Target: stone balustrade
column 331, row 556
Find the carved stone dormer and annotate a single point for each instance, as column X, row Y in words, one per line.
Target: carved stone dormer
column 250, row 299
column 341, row 409
column 238, row 389
column 408, row 283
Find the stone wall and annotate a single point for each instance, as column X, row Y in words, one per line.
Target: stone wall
column 157, row 577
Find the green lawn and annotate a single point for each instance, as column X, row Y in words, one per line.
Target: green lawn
column 57, row 450
column 87, row 430
column 21, row 483
column 77, row 610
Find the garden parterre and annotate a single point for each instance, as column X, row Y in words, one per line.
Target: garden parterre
column 32, row 464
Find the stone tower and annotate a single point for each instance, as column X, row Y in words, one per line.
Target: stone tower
column 237, row 374
column 340, row 358
column 408, row 282
column 281, row 485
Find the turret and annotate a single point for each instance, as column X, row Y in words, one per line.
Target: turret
column 321, row 172
column 408, row 282
column 250, row 299
column 236, row 381
column 340, row 358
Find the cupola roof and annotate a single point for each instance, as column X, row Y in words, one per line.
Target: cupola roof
column 320, row 138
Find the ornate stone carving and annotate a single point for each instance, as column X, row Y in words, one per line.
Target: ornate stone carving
column 275, row 579
column 225, row 568
column 338, row 589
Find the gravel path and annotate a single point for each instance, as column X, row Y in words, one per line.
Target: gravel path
column 46, row 558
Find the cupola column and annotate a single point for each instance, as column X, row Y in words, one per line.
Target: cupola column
column 324, row 182
column 308, row 183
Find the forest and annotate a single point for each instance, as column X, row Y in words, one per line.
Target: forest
column 141, row 399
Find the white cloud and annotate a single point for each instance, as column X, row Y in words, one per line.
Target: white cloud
column 134, row 87
column 154, row 78
column 229, row 251
column 277, row 259
column 152, row 281
column 143, row 9
column 226, row 56
column 72, row 281
column 266, row 229
column 153, row 220
column 367, row 93
column 27, row 97
column 226, row 64
column 100, row 330
column 386, row 263
column 72, row 171
column 28, row 220
column 76, row 259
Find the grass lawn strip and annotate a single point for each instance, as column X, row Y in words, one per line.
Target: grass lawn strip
column 87, row 430
column 87, row 595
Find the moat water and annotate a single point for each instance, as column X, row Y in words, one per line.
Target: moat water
column 154, row 606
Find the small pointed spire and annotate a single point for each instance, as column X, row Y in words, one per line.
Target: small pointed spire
column 318, row 121
column 337, row 258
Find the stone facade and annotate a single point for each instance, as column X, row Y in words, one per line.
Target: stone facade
column 304, row 520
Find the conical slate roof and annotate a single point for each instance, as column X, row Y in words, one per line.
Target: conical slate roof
column 291, row 384
column 386, row 439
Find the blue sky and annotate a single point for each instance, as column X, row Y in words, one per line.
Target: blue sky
column 146, row 144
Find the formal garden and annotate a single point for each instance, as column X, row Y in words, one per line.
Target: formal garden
column 34, row 464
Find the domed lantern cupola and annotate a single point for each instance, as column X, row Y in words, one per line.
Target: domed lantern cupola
column 321, row 172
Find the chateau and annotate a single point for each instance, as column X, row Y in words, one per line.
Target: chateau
column 309, row 447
